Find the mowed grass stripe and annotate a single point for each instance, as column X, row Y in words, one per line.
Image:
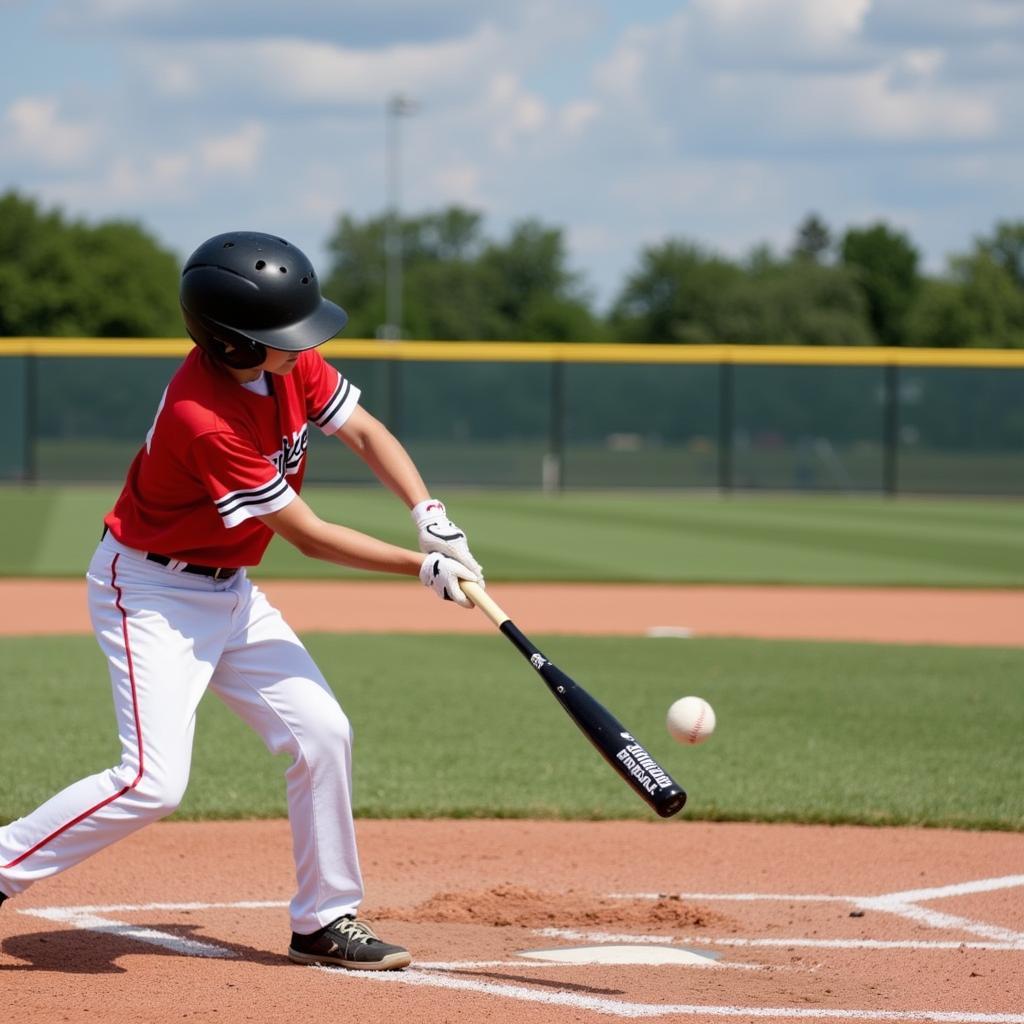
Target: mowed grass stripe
column 27, row 515
column 460, row 726
column 896, row 517
column 614, row 536
column 816, row 525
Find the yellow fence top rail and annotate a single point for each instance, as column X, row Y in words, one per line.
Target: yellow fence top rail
column 546, row 352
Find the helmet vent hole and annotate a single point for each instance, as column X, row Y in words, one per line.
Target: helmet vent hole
column 284, row 270
column 282, row 241
column 260, row 264
column 229, row 245
column 305, row 280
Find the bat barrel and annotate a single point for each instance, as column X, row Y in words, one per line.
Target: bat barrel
column 612, row 740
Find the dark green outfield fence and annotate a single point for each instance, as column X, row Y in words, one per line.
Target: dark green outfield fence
column 576, row 416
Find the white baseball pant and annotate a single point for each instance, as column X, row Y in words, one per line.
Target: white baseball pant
column 167, row 636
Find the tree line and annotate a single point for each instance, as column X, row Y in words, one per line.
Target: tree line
column 863, row 286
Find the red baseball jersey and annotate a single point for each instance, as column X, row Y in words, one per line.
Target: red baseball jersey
column 219, row 455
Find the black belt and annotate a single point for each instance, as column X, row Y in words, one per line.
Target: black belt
column 197, row 570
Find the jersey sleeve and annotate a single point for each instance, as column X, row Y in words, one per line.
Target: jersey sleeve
column 240, row 481
column 330, row 397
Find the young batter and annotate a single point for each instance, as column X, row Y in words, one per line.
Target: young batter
column 174, row 610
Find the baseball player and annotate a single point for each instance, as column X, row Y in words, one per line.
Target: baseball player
column 175, row 612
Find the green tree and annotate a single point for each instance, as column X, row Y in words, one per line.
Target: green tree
column 996, row 302
column 941, row 316
column 1006, row 247
column 534, row 293
column 67, row 278
column 813, row 240
column 450, row 300
column 980, row 300
column 356, row 275
column 885, row 264
column 681, row 293
column 459, row 285
column 801, row 302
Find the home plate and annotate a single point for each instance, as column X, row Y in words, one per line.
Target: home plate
column 622, row 955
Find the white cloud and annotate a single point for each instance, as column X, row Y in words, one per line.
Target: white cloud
column 921, row 63
column 593, row 239
column 720, row 120
column 459, row 183
column 768, row 29
column 512, row 112
column 357, row 25
column 775, row 89
column 120, row 10
column 622, row 73
column 870, row 107
column 173, row 78
column 281, row 74
column 922, row 21
column 238, row 152
column 320, row 192
column 39, row 133
column 575, row 116
column 162, row 177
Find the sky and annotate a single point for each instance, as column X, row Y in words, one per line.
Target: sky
column 724, row 122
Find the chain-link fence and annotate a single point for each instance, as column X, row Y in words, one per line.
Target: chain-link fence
column 588, row 416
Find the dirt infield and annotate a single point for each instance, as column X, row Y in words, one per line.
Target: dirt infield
column 188, row 921
column 994, row 617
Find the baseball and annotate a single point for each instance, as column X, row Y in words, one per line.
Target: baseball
column 691, row 720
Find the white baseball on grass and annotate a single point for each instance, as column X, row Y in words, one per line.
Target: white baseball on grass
column 691, row 720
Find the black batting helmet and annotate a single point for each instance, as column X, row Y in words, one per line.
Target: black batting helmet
column 243, row 292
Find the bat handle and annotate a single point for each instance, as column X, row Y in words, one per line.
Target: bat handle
column 484, row 602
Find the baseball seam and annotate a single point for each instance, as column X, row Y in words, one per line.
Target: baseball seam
column 695, row 731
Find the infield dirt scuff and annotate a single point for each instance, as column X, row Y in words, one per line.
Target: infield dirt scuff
column 515, row 906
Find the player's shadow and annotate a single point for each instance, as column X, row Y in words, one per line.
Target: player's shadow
column 525, row 979
column 73, row 951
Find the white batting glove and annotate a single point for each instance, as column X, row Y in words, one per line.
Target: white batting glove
column 439, row 533
column 442, row 575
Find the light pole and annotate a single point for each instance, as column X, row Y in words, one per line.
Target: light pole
column 398, row 106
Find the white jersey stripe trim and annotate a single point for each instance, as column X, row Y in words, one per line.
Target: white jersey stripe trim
column 338, row 409
column 274, row 502
column 237, row 506
column 225, row 504
column 260, row 499
column 334, row 402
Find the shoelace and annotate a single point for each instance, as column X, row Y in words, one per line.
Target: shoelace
column 351, row 928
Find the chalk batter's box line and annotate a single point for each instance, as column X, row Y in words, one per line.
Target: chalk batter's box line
column 904, row 903
column 634, row 1011
column 95, row 919
column 89, row 918
column 902, row 896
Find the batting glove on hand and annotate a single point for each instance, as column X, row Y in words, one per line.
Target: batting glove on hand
column 442, row 575
column 438, row 533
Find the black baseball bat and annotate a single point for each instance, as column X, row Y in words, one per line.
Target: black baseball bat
column 613, row 740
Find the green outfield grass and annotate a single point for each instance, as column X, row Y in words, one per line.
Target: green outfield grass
column 460, row 726
column 615, row 536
